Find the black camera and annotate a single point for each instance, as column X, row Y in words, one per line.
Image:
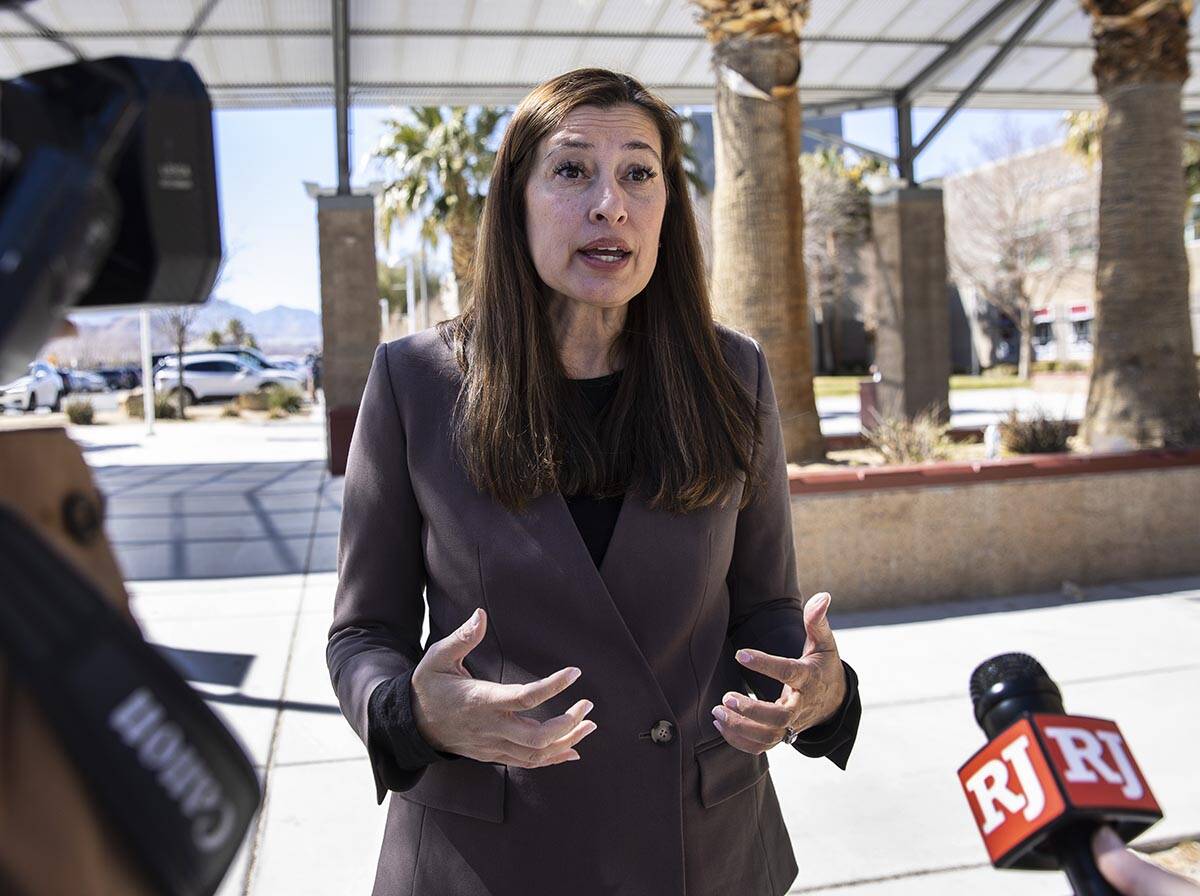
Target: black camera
column 108, row 194
column 108, row 198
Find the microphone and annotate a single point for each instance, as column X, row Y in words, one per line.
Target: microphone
column 1046, row 780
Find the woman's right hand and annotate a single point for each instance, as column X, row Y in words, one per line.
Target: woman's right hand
column 479, row 719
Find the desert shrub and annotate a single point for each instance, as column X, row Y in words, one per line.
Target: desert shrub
column 231, row 410
column 165, row 408
column 282, row 398
column 900, row 440
column 253, row 401
column 276, row 414
column 1000, row 370
column 1036, row 434
column 80, row 411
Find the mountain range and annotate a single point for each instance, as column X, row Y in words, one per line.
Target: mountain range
column 114, row 337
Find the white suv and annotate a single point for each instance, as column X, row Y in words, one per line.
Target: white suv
column 219, row 375
column 41, row 387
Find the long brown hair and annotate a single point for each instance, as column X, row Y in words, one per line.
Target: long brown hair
column 680, row 429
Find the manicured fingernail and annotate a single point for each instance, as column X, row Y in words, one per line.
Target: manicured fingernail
column 721, row 714
column 573, row 758
column 574, row 673
column 731, row 702
column 743, row 656
column 717, row 724
column 588, row 706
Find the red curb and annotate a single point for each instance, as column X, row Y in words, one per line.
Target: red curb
column 976, row 472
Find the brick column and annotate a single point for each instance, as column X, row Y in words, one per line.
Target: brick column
column 349, row 313
column 912, row 342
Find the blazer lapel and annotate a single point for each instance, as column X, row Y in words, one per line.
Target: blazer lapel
column 549, row 523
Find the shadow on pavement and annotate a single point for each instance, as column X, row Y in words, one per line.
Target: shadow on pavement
column 207, row 666
column 204, row 521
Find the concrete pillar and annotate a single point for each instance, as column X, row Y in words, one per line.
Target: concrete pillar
column 912, row 343
column 349, row 313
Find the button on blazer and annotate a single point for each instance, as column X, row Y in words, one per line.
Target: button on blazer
column 659, row 802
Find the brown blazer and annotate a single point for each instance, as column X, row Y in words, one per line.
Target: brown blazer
column 654, row 631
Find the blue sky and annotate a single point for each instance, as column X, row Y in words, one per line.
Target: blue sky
column 269, row 222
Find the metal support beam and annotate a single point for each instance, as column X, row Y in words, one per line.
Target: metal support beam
column 993, row 20
column 851, row 104
column 341, row 90
column 905, row 156
column 995, row 62
column 835, row 140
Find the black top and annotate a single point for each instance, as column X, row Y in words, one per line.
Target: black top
column 595, row 518
column 392, row 727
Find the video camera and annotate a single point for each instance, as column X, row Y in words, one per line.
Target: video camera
column 107, row 198
column 108, row 194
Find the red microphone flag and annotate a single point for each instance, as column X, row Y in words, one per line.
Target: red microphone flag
column 1044, row 771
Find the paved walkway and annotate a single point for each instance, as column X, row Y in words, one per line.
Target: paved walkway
column 231, row 574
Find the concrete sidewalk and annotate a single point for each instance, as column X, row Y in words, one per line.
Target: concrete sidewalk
column 894, row 823
column 232, row 575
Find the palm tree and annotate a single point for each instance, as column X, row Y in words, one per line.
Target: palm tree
column 236, row 331
column 758, row 277
column 439, row 161
column 1144, row 388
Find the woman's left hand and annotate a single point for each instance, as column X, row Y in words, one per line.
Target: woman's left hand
column 814, row 687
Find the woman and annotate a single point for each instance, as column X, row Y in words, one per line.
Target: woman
column 563, row 470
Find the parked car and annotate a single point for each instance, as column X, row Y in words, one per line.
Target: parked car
column 219, row 375
column 88, row 381
column 42, row 386
column 250, row 355
column 126, row 377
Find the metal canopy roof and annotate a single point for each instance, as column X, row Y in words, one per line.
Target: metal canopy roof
column 266, row 53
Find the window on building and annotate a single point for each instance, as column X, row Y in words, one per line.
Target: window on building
column 1081, row 331
column 1191, row 230
column 1081, row 232
column 1035, row 247
column 1043, row 333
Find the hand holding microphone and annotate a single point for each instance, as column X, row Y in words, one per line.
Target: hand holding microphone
column 1132, row 875
column 1046, row 781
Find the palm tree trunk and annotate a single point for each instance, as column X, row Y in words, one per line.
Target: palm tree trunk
column 463, row 231
column 758, row 225
column 1144, row 389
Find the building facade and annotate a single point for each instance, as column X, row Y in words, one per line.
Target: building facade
column 1055, row 197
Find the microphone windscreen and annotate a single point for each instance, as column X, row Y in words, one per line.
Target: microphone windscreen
column 1005, row 667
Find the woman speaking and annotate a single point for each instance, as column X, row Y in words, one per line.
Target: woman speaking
column 583, row 477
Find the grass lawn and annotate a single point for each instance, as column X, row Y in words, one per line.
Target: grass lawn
column 829, row 386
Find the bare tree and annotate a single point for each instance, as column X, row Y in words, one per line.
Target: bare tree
column 177, row 325
column 1002, row 237
column 837, row 222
